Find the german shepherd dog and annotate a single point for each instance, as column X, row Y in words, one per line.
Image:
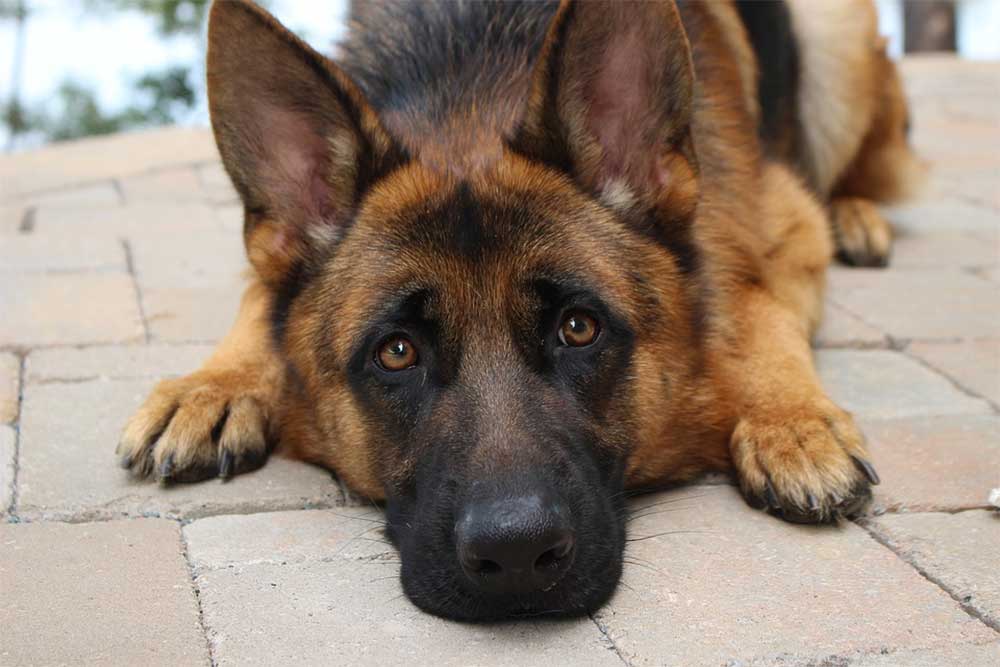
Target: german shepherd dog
column 512, row 261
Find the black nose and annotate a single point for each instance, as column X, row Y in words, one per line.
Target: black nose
column 518, row 545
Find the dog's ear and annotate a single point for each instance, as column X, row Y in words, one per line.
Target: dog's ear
column 611, row 103
column 296, row 135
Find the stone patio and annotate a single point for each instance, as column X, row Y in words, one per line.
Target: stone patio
column 120, row 263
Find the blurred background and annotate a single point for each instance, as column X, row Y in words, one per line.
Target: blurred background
column 74, row 68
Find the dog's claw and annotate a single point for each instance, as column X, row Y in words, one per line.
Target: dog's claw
column 166, row 470
column 772, row 497
column 868, row 469
column 225, row 464
column 813, row 503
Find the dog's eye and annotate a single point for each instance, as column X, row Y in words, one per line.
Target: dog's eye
column 578, row 329
column 397, row 354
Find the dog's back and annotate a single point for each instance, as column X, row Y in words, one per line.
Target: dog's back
column 454, row 75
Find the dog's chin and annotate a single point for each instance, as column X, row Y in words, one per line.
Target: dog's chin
column 446, row 592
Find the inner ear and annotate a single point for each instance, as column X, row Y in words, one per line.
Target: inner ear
column 611, row 103
column 296, row 135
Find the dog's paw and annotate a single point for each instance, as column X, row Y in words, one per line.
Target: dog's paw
column 210, row 423
column 807, row 465
column 863, row 236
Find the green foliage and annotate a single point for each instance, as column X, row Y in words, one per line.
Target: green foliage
column 169, row 93
column 79, row 115
column 160, row 97
column 13, row 9
column 172, row 16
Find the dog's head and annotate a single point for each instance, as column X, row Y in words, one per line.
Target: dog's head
column 482, row 350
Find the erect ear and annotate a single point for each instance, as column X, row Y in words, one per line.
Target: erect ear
column 611, row 104
column 296, row 136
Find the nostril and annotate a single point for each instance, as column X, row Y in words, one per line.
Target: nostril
column 547, row 560
column 553, row 558
column 486, row 567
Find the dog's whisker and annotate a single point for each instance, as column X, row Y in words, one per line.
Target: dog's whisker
column 648, row 567
column 667, row 501
column 382, row 522
column 636, row 517
column 668, row 532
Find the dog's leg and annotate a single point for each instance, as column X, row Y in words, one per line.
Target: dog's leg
column 218, row 420
column 795, row 451
column 863, row 236
column 884, row 170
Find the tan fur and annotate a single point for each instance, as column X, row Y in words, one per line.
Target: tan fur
column 837, row 41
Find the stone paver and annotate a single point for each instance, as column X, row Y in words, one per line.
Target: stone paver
column 885, row 383
column 973, row 365
column 57, row 254
column 920, row 303
column 983, row 655
column 230, row 216
column 89, row 160
column 70, row 472
column 7, row 452
column 958, row 551
column 130, row 221
column 840, row 328
column 203, row 258
column 92, row 194
column 280, row 538
column 993, row 275
column 932, row 216
column 114, row 362
column 216, row 184
column 730, row 583
column 11, row 218
column 947, row 249
column 339, row 612
column 171, row 185
column 928, row 463
column 115, row 593
column 191, row 314
column 10, row 385
column 74, row 309
column 312, row 587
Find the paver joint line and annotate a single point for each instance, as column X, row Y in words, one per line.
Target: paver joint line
column 872, row 530
column 116, row 184
column 193, row 581
column 611, row 642
column 12, row 510
column 130, row 267
column 948, row 376
column 27, row 223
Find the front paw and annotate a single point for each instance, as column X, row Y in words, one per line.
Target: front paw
column 210, row 423
column 807, row 465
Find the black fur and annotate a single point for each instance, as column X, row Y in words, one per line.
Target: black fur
column 769, row 26
column 298, row 278
column 440, row 56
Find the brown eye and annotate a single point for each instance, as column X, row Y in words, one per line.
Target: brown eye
column 578, row 329
column 397, row 354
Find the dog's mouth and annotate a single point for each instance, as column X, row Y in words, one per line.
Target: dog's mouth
column 510, row 557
